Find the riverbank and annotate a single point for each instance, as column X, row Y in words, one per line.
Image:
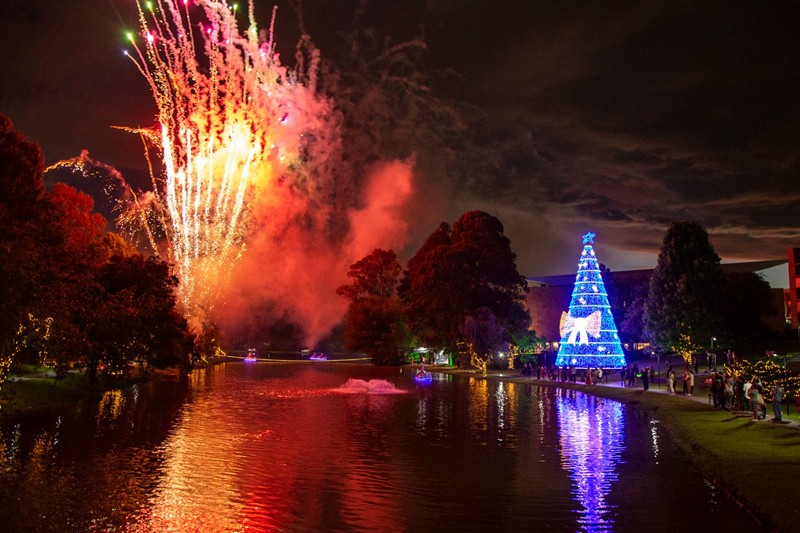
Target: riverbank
column 33, row 395
column 38, row 392
column 755, row 462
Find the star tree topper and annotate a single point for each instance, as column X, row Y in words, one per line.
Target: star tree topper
column 589, row 238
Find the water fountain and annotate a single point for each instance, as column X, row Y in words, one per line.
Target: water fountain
column 373, row 386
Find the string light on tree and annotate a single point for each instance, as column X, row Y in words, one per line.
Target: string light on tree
column 589, row 336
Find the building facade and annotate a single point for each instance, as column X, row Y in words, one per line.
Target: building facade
column 791, row 296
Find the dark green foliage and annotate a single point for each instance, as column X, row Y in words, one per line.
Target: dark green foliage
column 135, row 316
column 376, row 327
column 683, row 308
column 377, row 275
column 483, row 332
column 457, row 276
column 375, row 322
column 527, row 342
column 747, row 300
column 627, row 294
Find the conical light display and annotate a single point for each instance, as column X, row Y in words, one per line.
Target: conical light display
column 589, row 336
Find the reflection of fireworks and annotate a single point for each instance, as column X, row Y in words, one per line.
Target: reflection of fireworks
column 230, row 130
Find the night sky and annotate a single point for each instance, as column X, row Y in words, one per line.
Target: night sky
column 615, row 117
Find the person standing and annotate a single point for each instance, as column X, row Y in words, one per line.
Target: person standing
column 777, row 398
column 755, row 400
column 671, row 382
column 645, row 378
column 634, row 373
column 690, row 379
column 715, row 390
column 728, row 391
column 746, row 395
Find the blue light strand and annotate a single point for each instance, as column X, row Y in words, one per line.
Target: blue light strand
column 602, row 348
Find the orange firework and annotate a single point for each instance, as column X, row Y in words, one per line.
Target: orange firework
column 231, row 124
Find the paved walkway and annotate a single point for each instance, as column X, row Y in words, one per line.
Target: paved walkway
column 702, row 395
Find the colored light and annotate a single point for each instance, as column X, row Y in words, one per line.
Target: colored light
column 589, row 336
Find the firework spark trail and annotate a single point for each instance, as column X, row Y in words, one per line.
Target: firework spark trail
column 224, row 134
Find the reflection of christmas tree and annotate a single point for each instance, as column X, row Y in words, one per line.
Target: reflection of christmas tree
column 588, row 334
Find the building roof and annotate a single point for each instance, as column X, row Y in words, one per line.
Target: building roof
column 728, row 268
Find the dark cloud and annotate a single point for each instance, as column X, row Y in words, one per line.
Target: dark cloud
column 618, row 117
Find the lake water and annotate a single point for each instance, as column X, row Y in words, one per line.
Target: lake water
column 346, row 447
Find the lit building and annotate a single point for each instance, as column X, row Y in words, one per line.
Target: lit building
column 791, row 296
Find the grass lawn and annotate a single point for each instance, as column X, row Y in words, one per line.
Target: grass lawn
column 40, row 393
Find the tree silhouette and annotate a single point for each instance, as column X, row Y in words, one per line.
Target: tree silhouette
column 683, row 307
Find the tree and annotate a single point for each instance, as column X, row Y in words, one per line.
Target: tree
column 77, row 224
column 377, row 327
column 21, row 190
column 457, row 275
column 21, row 173
column 135, row 316
column 627, row 294
column 70, row 292
column 483, row 333
column 682, row 311
column 375, row 321
column 425, row 290
column 377, row 275
column 525, row 344
column 747, row 301
column 67, row 238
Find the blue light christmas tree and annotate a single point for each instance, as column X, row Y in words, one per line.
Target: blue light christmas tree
column 589, row 336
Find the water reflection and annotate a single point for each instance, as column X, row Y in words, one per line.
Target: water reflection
column 280, row 448
column 591, row 432
column 110, row 407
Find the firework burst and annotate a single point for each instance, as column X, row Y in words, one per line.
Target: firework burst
column 233, row 122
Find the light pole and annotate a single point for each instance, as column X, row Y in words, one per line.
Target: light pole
column 713, row 355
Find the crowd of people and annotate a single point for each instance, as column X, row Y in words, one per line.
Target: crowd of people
column 744, row 394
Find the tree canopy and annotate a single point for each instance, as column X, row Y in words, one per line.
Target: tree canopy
column 71, row 293
column 463, row 279
column 682, row 311
column 375, row 322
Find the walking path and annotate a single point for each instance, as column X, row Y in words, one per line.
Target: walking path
column 702, row 394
